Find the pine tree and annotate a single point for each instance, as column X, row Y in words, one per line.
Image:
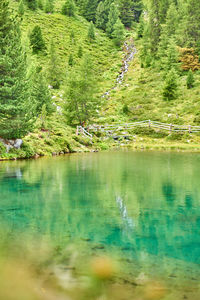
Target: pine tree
column 154, row 26
column 171, row 20
column 126, row 13
column 21, row 8
column 32, row 4
column 190, row 80
column 101, row 16
column 171, row 86
column 137, row 7
column 80, row 51
column 112, row 19
column 81, row 100
column 193, row 23
column 71, row 60
column 53, row 70
column 69, row 8
column 118, row 32
column 91, row 33
column 36, row 40
column 16, row 111
column 49, row 7
column 40, row 93
column 40, row 4
column 90, row 9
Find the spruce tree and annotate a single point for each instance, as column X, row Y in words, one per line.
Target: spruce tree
column 171, row 20
column 101, row 16
column 16, row 111
column 193, row 23
column 53, row 70
column 21, row 8
column 69, row 8
column 71, row 60
column 170, row 88
column 32, row 4
column 126, row 13
column 137, row 7
column 36, row 40
column 91, row 33
column 81, row 100
column 40, row 4
column 80, row 51
column 112, row 19
column 90, row 9
column 49, row 7
column 118, row 32
column 154, row 26
column 190, row 80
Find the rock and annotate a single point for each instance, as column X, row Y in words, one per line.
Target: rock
column 54, row 153
column 18, row 143
column 12, row 142
column 61, row 152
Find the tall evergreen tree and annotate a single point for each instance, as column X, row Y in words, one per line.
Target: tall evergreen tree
column 170, row 88
column 49, row 7
column 32, row 4
column 190, row 80
column 112, row 19
column 91, row 33
column 193, row 23
column 171, row 20
column 101, row 16
column 36, row 40
column 81, row 100
column 21, row 8
column 126, row 13
column 154, row 26
column 16, row 111
column 90, row 9
column 118, row 32
column 53, row 70
column 69, row 8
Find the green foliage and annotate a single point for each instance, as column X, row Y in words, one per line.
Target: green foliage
column 15, row 105
column 2, row 148
column 89, row 10
column 112, row 19
column 81, row 100
column 21, row 8
column 53, row 68
column 118, row 32
column 71, row 60
column 36, row 40
column 101, row 16
column 190, row 80
column 126, row 13
column 40, row 4
column 80, row 51
column 171, row 86
column 69, row 8
column 32, row 4
column 91, row 33
column 49, row 7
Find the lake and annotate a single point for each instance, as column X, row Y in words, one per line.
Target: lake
column 142, row 206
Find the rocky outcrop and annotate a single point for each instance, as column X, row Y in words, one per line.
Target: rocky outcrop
column 10, row 144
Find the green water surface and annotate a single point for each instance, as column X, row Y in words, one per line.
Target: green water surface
column 146, row 206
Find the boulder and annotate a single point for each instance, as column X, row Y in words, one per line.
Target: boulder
column 18, row 143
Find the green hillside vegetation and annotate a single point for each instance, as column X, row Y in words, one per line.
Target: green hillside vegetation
column 162, row 83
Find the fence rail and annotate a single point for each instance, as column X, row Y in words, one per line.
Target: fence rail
column 110, row 129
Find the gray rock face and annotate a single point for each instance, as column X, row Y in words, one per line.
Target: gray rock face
column 18, row 143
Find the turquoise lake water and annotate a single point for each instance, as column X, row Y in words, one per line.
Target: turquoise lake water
column 145, row 206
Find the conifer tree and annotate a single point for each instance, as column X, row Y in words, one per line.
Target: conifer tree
column 81, row 100
column 170, row 88
column 40, row 93
column 193, row 23
column 36, row 40
column 118, row 32
column 91, row 33
column 53, row 70
column 90, row 9
column 101, row 16
column 171, row 20
column 69, row 8
column 80, row 51
column 112, row 19
column 137, row 7
column 32, row 4
column 40, row 4
column 190, row 80
column 71, row 60
column 49, row 7
column 154, row 26
column 16, row 111
column 126, row 13
column 21, row 8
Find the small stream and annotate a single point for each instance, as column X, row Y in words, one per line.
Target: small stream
column 130, row 51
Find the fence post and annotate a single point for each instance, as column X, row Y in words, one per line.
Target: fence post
column 189, row 128
column 149, row 123
column 171, row 127
column 77, row 130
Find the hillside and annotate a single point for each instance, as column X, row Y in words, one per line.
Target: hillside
column 139, row 96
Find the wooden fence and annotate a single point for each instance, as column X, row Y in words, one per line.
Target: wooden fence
column 112, row 129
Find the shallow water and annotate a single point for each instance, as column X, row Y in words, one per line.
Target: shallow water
column 145, row 206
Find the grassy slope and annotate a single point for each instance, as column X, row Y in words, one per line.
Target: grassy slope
column 142, row 92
